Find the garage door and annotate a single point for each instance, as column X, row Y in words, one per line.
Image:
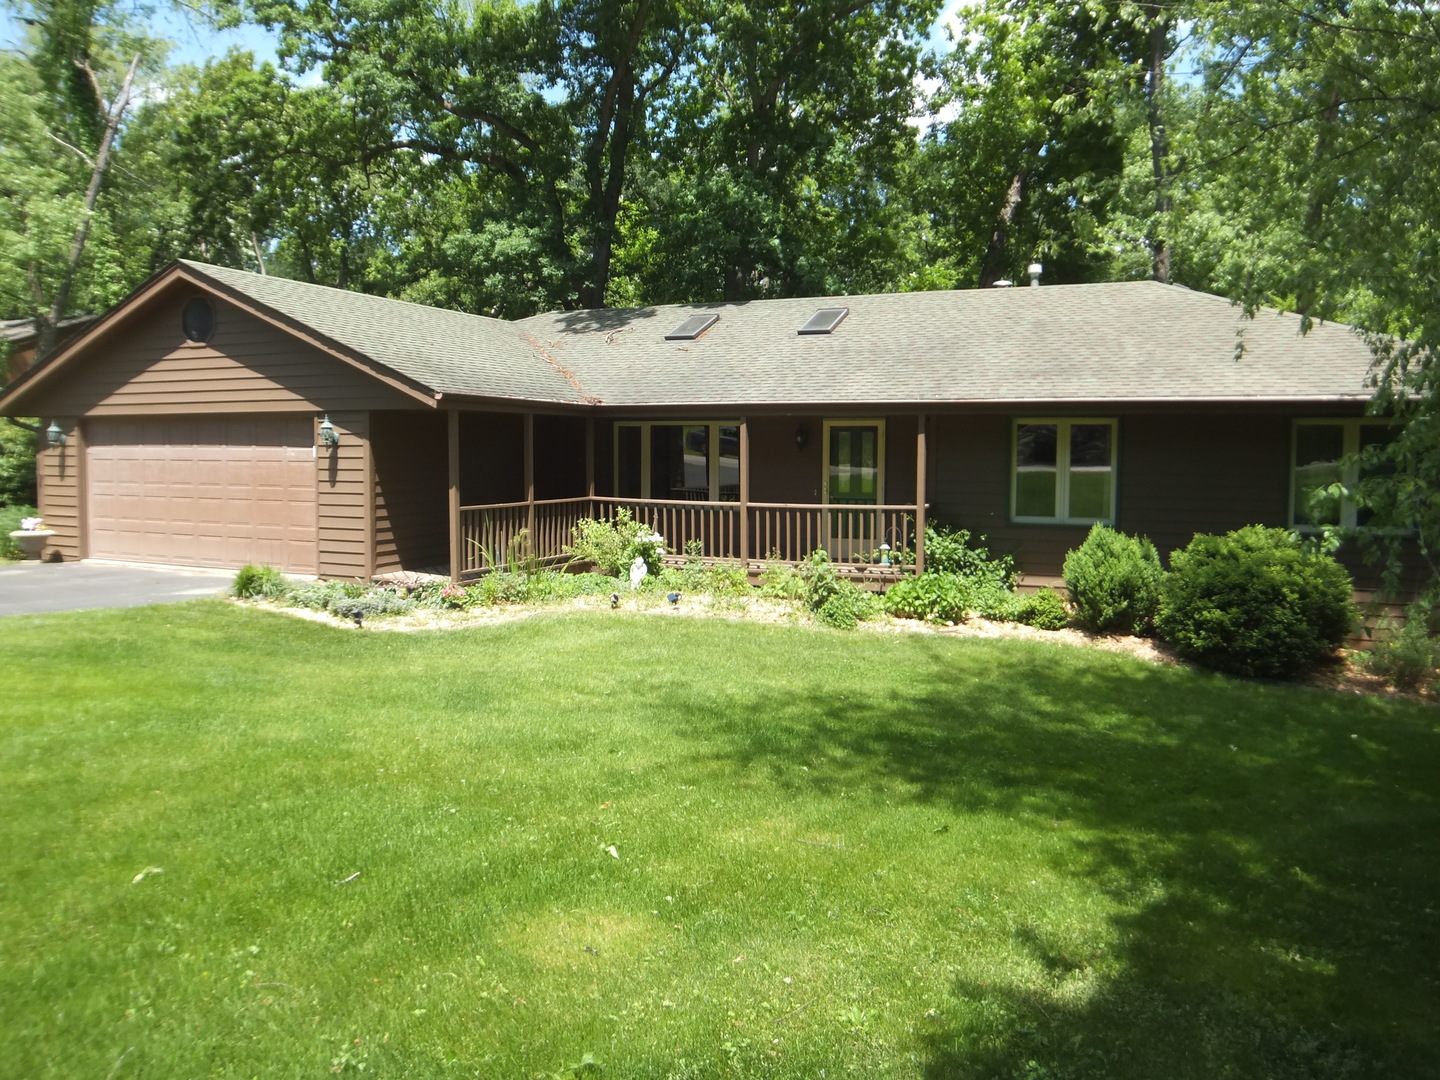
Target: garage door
column 203, row 491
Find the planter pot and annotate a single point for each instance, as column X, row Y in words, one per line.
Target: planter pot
column 32, row 541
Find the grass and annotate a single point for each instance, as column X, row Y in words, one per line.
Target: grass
column 236, row 844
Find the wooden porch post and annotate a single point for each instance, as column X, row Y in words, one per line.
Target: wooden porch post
column 456, row 555
column 590, row 462
column 745, row 493
column 920, row 497
column 530, row 478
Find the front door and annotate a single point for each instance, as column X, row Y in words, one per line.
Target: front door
column 854, row 476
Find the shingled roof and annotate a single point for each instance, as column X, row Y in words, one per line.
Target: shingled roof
column 1125, row 341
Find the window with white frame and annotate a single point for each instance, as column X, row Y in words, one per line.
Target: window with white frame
column 690, row 461
column 1318, row 459
column 1063, row 470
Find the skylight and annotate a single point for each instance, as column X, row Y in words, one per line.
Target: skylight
column 692, row 328
column 824, row 320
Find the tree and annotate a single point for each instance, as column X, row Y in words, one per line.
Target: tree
column 64, row 104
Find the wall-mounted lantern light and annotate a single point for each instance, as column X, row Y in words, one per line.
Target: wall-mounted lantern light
column 53, row 435
column 801, row 437
column 328, row 435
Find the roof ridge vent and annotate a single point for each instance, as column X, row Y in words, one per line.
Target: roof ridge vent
column 824, row 320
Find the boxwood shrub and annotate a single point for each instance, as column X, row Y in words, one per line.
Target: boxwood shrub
column 1114, row 582
column 1254, row 602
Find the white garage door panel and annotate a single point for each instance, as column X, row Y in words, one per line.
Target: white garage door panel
column 222, row 491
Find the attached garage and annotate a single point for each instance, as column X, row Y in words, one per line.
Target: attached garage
column 215, row 490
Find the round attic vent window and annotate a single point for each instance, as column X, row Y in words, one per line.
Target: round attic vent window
column 198, row 320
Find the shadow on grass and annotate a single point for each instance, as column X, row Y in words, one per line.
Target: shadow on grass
column 1272, row 852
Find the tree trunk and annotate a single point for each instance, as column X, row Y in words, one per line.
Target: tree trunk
column 49, row 326
column 996, row 258
column 1159, row 52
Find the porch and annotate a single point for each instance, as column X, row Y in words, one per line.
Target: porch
column 876, row 541
column 746, row 491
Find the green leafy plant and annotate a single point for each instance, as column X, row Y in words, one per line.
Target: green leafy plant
column 955, row 551
column 317, row 595
column 612, row 545
column 781, row 581
column 10, row 517
column 833, row 600
column 260, row 582
column 1042, row 609
column 369, row 604
column 1114, row 582
column 1407, row 658
column 1254, row 602
column 949, row 598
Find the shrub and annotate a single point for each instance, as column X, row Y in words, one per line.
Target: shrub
column 370, row 603
column 951, row 551
column 1407, row 659
column 848, row 606
column 1254, row 602
column 10, row 521
column 835, row 601
column 317, row 595
column 265, row 582
column 781, row 581
column 1114, row 582
column 1043, row 610
column 613, row 545
column 949, row 598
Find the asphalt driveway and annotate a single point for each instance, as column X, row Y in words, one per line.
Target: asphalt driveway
column 29, row 588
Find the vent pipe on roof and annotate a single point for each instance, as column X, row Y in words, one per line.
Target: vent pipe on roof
column 1003, row 283
column 1036, row 269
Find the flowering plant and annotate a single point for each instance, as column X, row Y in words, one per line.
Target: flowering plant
column 454, row 596
column 33, row 524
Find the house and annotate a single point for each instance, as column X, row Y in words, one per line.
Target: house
column 217, row 417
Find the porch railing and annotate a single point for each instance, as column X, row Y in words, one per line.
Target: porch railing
column 855, row 535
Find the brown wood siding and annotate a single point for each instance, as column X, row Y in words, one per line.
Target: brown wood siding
column 1176, row 474
column 58, row 474
column 346, row 503
column 248, row 365
column 411, row 512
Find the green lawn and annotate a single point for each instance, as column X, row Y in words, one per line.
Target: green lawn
column 838, row 855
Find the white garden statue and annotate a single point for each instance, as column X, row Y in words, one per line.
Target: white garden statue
column 638, row 570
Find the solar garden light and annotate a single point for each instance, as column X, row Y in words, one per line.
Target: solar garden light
column 884, row 554
column 53, row 435
column 328, row 435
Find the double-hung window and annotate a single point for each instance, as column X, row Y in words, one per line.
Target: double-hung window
column 677, row 462
column 1317, row 460
column 1063, row 471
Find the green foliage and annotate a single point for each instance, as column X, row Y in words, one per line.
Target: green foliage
column 1407, row 658
column 782, row 581
column 318, row 595
column 611, row 545
column 260, row 582
column 10, row 517
column 1114, row 582
column 17, row 463
column 949, row 598
column 833, row 600
column 954, row 551
column 369, row 603
column 1042, row 609
column 1254, row 602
